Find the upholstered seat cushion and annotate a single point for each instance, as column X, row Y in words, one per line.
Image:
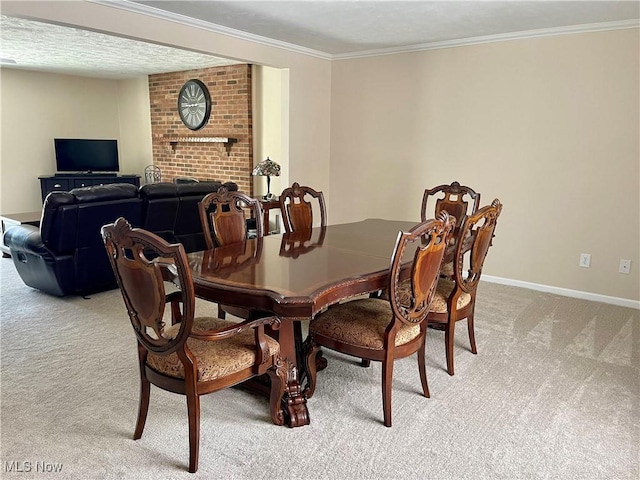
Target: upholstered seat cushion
column 216, row 359
column 444, row 289
column 361, row 323
column 447, row 269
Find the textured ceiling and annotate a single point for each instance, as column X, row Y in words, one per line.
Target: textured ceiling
column 328, row 29
column 71, row 51
column 347, row 27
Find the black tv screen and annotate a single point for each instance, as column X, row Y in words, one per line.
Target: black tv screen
column 81, row 155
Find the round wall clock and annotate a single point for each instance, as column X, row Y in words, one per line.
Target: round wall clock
column 194, row 104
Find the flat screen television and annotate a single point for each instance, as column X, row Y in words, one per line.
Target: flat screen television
column 83, row 155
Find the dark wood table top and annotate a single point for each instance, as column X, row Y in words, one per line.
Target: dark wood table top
column 296, row 277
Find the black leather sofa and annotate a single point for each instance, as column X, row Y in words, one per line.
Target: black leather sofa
column 66, row 255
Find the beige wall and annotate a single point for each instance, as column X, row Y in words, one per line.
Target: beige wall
column 38, row 107
column 271, row 130
column 548, row 125
column 135, row 125
column 270, row 119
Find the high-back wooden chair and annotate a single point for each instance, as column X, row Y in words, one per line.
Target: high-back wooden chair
column 455, row 297
column 177, row 351
column 384, row 330
column 458, row 200
column 224, row 216
column 297, row 208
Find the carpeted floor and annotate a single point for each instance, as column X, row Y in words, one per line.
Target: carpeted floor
column 553, row 394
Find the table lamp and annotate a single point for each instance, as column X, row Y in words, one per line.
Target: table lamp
column 267, row 168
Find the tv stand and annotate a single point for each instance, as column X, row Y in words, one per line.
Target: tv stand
column 63, row 182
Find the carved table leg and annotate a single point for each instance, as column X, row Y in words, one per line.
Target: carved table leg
column 294, row 403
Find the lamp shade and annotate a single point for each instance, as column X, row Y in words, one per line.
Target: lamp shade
column 267, row 168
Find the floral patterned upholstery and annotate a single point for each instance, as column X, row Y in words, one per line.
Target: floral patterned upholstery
column 361, row 323
column 443, row 291
column 215, row 358
column 447, row 269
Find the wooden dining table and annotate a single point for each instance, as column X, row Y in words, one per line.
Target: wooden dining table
column 295, row 276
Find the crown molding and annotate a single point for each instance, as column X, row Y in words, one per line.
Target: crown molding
column 501, row 37
column 211, row 27
column 239, row 34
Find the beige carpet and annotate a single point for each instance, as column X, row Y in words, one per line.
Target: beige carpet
column 552, row 394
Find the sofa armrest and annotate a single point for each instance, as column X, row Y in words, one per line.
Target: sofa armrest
column 26, row 238
column 38, row 266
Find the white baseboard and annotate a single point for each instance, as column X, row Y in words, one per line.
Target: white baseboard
column 566, row 292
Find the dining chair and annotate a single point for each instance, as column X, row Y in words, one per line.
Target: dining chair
column 458, row 200
column 297, row 208
column 455, row 297
column 224, row 215
column 386, row 330
column 177, row 351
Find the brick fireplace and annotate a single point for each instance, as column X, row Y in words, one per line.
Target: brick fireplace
column 181, row 152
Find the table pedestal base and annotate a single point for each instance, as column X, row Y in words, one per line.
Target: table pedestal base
column 294, row 402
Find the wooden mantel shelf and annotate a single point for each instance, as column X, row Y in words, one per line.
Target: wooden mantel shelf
column 174, row 140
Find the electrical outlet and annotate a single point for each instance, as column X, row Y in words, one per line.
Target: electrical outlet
column 585, row 260
column 625, row 266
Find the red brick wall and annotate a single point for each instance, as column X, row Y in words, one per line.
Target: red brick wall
column 230, row 90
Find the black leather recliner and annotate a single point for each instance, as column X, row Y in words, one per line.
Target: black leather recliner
column 66, row 255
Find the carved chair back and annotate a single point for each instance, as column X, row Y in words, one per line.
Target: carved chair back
column 224, row 214
column 458, row 200
column 410, row 300
column 468, row 262
column 297, row 209
column 143, row 263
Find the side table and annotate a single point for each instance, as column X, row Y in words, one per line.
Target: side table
column 267, row 205
column 11, row 219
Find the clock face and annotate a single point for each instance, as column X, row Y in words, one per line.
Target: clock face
column 194, row 104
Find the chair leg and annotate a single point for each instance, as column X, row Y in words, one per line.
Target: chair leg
column 365, row 362
column 387, row 381
column 193, row 409
column 278, row 376
column 221, row 313
column 145, row 388
column 311, row 350
column 448, row 340
column 422, row 365
column 472, row 335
